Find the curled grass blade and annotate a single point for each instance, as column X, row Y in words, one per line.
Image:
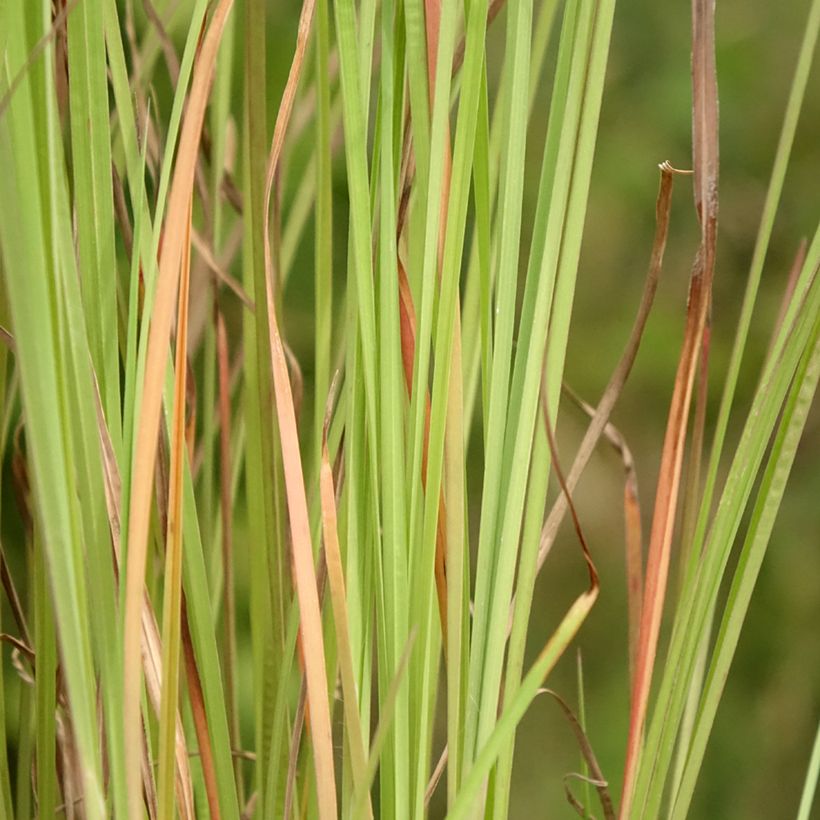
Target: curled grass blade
column 598, row 779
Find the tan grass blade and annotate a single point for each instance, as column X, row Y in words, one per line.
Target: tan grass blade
column 338, row 599
column 310, row 627
column 632, row 527
column 156, row 360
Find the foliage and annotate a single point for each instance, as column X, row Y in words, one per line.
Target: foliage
column 289, row 579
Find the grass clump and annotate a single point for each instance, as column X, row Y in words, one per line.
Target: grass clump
column 290, row 572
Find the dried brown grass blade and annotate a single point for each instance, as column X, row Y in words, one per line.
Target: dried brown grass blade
column 12, row 597
column 220, row 274
column 310, row 627
column 618, row 379
column 149, row 415
column 582, row 605
column 167, row 46
column 435, row 777
column 594, row 581
column 597, row 779
column 70, row 770
column 21, row 647
column 632, row 525
column 705, row 155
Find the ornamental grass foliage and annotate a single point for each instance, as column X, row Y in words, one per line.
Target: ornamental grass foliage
column 286, row 316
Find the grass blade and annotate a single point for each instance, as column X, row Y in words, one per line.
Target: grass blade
column 705, row 156
column 148, row 427
column 810, row 785
column 338, row 595
column 764, row 513
column 172, row 603
column 304, row 571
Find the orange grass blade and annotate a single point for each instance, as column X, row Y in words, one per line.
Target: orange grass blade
column 172, row 602
column 159, row 334
column 705, row 154
column 453, row 433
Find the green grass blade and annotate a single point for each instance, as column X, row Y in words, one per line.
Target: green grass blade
column 94, row 201
column 323, row 243
column 267, row 598
column 30, row 282
column 765, row 511
column 515, row 709
column 812, row 776
column 700, row 590
column 46, row 688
